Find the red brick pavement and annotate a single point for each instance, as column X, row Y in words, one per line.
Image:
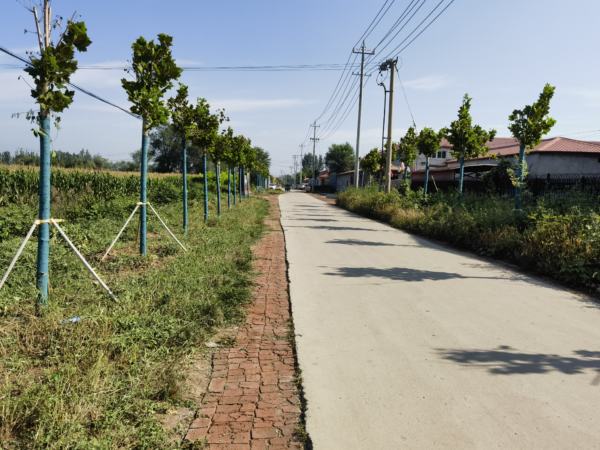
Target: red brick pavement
column 253, row 402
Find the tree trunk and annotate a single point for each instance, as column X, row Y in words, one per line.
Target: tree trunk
column 143, row 193
column 185, row 196
column 44, row 211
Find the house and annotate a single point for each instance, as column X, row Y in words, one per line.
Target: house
column 438, row 160
column 346, row 179
column 552, row 156
column 323, row 178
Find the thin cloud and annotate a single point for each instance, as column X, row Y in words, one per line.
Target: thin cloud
column 429, row 83
column 253, row 105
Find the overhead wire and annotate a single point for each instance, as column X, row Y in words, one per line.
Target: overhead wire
column 74, row 86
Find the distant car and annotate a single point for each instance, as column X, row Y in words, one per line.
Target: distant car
column 288, row 187
column 272, row 186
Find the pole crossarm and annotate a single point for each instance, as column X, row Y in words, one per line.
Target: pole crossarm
column 55, row 222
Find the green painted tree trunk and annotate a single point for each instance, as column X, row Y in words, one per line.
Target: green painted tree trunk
column 520, row 175
column 185, row 196
column 234, row 188
column 460, row 178
column 143, row 193
column 426, row 176
column 43, row 253
column 228, row 187
column 205, row 176
column 218, row 170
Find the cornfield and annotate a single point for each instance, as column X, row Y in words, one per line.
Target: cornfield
column 17, row 185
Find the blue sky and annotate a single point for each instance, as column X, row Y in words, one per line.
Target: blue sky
column 500, row 53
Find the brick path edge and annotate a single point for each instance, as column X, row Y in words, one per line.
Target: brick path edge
column 255, row 400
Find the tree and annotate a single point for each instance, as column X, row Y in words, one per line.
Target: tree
column 204, row 134
column 428, row 144
column 220, row 151
column 468, row 140
column 51, row 70
column 236, row 159
column 407, row 149
column 528, row 126
column 340, row 158
column 370, row 163
column 307, row 164
column 183, row 123
column 154, row 70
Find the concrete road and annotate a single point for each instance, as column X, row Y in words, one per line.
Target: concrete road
column 406, row 344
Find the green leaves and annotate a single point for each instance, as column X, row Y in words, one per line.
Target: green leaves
column 206, row 125
column 370, row 162
column 428, row 142
column 467, row 140
column 340, row 157
column 182, row 113
column 407, row 148
column 532, row 122
column 154, row 69
column 53, row 69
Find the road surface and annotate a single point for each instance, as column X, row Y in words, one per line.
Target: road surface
column 406, row 344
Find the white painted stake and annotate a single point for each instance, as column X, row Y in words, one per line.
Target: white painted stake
column 161, row 221
column 13, row 262
column 85, row 263
column 118, row 235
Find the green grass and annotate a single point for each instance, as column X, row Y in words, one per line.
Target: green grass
column 558, row 236
column 98, row 383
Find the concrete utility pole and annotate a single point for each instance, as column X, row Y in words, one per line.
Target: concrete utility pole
column 301, row 163
column 360, row 97
column 389, row 64
column 314, row 139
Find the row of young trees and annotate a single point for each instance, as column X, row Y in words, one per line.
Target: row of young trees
column 154, row 71
column 469, row 141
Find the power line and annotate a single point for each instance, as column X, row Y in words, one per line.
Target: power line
column 74, row 86
column 393, row 54
column 273, row 68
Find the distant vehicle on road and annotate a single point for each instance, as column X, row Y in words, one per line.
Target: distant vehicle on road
column 288, row 187
column 272, row 186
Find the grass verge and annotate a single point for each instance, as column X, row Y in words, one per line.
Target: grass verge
column 99, row 382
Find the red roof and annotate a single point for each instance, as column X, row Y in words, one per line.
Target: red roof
column 324, row 176
column 510, row 146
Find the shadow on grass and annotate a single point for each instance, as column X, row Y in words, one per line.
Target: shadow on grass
column 507, row 361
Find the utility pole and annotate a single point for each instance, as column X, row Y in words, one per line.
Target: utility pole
column 362, row 78
column 389, row 64
column 301, row 164
column 314, row 139
column 295, row 169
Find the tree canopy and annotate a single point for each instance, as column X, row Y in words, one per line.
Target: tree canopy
column 370, row 163
column 340, row 157
column 532, row 122
column 154, row 70
column 428, row 141
column 467, row 140
column 407, row 147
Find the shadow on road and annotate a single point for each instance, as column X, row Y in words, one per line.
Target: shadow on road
column 332, row 228
column 357, row 242
column 316, row 220
column 507, row 361
column 399, row 274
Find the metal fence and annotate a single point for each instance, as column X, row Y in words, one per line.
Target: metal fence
column 538, row 186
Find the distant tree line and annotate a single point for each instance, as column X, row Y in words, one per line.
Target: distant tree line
column 164, row 156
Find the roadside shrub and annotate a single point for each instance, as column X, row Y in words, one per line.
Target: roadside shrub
column 557, row 235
